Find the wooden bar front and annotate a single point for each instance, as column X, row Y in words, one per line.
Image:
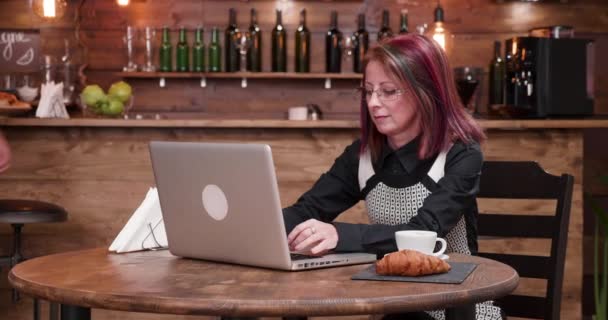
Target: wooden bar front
column 100, row 171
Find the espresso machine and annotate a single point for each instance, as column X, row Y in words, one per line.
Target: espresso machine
column 549, row 77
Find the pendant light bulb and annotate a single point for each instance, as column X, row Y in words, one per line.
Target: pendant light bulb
column 439, row 34
column 438, row 30
column 49, row 9
column 122, row 3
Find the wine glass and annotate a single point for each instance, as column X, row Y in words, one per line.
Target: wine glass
column 129, row 41
column 242, row 41
column 349, row 43
column 149, row 36
column 468, row 81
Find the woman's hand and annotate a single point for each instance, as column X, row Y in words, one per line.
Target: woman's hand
column 313, row 237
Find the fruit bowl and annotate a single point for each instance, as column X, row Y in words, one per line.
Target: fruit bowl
column 118, row 101
column 112, row 108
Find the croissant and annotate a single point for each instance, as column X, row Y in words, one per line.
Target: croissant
column 410, row 263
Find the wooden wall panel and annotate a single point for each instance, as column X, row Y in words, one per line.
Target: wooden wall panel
column 100, row 175
column 475, row 24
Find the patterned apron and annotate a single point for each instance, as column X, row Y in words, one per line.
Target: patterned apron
column 397, row 205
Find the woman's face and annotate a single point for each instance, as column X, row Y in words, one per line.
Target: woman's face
column 391, row 107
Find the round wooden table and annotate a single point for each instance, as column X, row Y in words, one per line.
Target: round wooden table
column 157, row 282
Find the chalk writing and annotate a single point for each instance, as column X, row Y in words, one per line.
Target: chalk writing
column 19, row 50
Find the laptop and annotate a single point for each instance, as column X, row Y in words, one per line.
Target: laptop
column 220, row 202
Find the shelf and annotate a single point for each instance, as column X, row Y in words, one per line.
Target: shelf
column 243, row 76
column 217, row 121
column 240, row 75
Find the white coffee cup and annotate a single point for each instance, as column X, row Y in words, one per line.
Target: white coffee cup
column 420, row 240
column 297, row 113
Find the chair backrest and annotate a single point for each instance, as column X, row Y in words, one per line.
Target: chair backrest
column 527, row 180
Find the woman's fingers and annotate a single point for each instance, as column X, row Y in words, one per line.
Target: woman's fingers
column 302, row 236
column 308, row 242
column 299, row 229
column 322, row 248
column 313, row 237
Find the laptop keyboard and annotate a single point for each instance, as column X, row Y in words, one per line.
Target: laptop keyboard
column 297, row 256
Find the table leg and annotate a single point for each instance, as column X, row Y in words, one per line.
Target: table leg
column 53, row 311
column 69, row 312
column 465, row 312
column 36, row 309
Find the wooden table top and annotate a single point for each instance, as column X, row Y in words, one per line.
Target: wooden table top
column 156, row 281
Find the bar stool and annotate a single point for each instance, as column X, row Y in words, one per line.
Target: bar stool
column 18, row 212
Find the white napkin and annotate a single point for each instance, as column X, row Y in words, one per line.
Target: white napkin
column 145, row 229
column 51, row 102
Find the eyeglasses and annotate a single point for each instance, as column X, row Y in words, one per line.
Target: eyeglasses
column 383, row 93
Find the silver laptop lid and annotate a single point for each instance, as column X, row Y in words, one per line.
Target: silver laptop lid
column 220, row 201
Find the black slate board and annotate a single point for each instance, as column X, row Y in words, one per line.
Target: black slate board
column 456, row 275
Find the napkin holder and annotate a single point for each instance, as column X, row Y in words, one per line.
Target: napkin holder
column 51, row 103
column 145, row 230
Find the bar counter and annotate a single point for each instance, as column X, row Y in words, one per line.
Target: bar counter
column 99, row 170
column 287, row 124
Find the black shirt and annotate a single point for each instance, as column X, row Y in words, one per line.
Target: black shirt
column 338, row 189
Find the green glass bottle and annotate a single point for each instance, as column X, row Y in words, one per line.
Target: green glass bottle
column 361, row 37
column 166, row 49
column 182, row 52
column 254, row 54
column 403, row 28
column 385, row 30
column 497, row 77
column 302, row 62
column 232, row 53
column 279, row 46
column 198, row 51
column 333, row 46
column 215, row 51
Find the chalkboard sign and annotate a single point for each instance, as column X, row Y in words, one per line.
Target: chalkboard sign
column 19, row 51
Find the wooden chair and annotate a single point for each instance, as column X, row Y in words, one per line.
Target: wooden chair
column 527, row 180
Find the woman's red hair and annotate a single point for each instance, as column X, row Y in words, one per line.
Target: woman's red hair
column 420, row 65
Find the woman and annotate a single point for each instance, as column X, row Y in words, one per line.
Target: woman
column 416, row 164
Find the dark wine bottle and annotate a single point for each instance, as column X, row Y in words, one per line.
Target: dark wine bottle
column 279, row 46
column 182, row 52
column 198, row 51
column 231, row 53
column 385, row 30
column 361, row 44
column 497, row 77
column 333, row 46
column 165, row 54
column 403, row 28
column 254, row 54
column 302, row 61
column 215, row 51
